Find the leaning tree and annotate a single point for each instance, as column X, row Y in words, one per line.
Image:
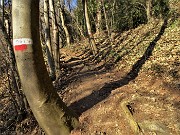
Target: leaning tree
column 49, row 110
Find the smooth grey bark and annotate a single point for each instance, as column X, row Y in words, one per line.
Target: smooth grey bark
column 49, row 110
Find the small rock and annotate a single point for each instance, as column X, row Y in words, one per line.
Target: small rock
column 155, row 126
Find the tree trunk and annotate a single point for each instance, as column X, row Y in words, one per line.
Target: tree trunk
column 79, row 27
column 7, row 26
column 91, row 38
column 61, row 9
column 106, row 19
column 2, row 11
column 55, row 36
column 48, row 41
column 148, row 9
column 98, row 20
column 113, row 13
column 49, row 110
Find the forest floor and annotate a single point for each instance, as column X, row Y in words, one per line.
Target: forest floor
column 132, row 86
column 133, row 89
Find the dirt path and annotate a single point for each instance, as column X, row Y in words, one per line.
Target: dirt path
column 111, row 102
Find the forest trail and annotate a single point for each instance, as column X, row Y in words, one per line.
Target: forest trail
column 139, row 95
column 130, row 87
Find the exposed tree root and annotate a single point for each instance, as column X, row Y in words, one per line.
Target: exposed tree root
column 128, row 115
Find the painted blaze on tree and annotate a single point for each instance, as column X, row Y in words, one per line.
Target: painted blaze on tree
column 22, row 43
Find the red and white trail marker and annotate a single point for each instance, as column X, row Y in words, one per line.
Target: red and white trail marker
column 21, row 43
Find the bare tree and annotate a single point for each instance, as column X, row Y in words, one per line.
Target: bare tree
column 105, row 17
column 55, row 34
column 2, row 11
column 98, row 20
column 48, row 41
column 61, row 13
column 149, row 9
column 91, row 38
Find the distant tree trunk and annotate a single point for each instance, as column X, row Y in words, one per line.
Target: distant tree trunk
column 7, row 26
column 91, row 38
column 61, row 12
column 111, row 31
column 69, row 5
column 105, row 17
column 113, row 13
column 80, row 29
column 2, row 11
column 149, row 9
column 98, row 20
column 55, row 35
column 48, row 41
column 49, row 110
column 47, row 27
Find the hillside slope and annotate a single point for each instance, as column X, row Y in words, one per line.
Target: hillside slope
column 137, row 95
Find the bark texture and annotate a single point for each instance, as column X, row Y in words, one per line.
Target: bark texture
column 49, row 110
